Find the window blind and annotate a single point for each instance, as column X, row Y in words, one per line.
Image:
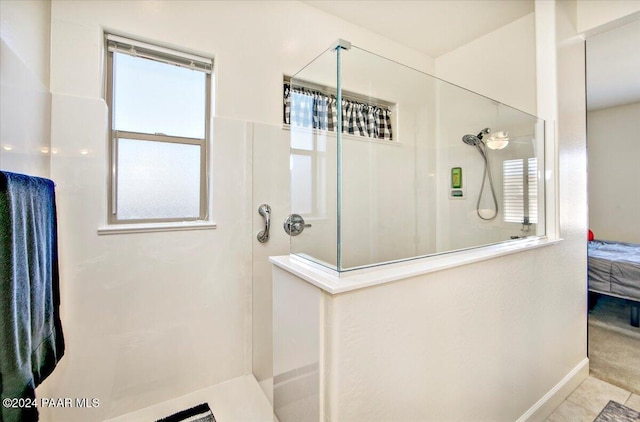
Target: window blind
column 532, row 176
column 513, row 191
column 116, row 43
column 520, row 190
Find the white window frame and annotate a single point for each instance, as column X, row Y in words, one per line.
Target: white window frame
column 115, row 43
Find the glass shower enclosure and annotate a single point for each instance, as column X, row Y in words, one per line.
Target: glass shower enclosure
column 388, row 163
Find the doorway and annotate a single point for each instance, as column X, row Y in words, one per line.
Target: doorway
column 613, row 125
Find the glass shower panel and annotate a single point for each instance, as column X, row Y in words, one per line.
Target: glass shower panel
column 491, row 195
column 417, row 166
column 313, row 159
column 386, row 183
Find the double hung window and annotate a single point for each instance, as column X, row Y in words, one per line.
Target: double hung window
column 159, row 112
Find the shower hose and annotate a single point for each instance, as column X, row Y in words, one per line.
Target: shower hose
column 485, row 176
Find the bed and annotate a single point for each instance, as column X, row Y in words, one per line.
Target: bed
column 614, row 270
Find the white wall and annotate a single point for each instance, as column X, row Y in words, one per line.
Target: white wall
column 614, row 188
column 594, row 14
column 253, row 43
column 25, row 103
column 500, row 65
column 25, row 27
column 152, row 316
column 482, row 342
column 270, row 186
column 148, row 317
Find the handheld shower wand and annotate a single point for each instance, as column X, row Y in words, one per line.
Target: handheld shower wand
column 476, row 141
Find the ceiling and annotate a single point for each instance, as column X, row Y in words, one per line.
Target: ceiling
column 433, row 27
column 436, row 27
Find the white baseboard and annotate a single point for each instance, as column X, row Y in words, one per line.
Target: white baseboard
column 550, row 401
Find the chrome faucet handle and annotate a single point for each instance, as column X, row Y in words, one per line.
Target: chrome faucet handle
column 294, row 224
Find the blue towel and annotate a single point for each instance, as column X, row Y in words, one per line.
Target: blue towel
column 31, row 341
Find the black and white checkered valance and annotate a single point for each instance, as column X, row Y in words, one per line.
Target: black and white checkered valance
column 317, row 110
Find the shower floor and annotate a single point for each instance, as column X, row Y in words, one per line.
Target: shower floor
column 237, row 400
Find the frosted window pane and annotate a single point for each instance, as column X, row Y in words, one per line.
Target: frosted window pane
column 154, row 97
column 158, row 180
column 301, row 184
column 302, row 139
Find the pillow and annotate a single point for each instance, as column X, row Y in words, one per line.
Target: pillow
column 590, row 236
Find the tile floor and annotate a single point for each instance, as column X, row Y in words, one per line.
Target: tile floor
column 583, row 405
column 237, row 400
column 586, row 401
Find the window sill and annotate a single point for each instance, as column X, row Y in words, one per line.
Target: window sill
column 156, row 227
column 349, row 136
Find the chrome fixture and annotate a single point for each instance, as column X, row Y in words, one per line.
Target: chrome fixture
column 294, row 224
column 476, row 141
column 265, row 211
column 497, row 140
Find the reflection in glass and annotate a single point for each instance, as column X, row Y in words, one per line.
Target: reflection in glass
column 301, row 170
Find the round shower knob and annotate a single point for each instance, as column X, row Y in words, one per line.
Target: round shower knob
column 294, row 224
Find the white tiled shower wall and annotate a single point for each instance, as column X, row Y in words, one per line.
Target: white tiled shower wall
column 25, row 111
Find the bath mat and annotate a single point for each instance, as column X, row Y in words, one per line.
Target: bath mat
column 199, row 413
column 615, row 412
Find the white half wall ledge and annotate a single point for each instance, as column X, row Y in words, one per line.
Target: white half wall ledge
column 334, row 282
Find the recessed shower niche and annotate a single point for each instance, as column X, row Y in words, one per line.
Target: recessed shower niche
column 373, row 145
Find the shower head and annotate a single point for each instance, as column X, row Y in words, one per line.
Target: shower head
column 472, row 140
column 475, row 140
